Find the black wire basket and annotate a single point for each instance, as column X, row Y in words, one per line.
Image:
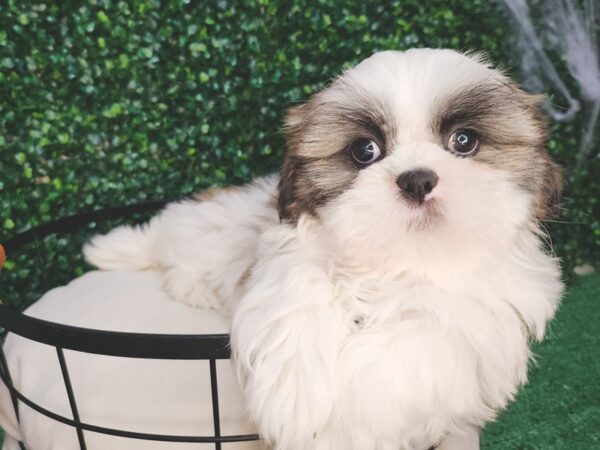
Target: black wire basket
column 211, row 347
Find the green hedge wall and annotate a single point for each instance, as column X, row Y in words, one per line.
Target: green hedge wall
column 112, row 102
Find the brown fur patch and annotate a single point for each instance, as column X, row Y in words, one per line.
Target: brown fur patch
column 512, row 130
column 317, row 167
column 502, row 114
column 245, row 276
column 548, row 195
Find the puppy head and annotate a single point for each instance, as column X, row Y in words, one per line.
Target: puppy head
column 425, row 146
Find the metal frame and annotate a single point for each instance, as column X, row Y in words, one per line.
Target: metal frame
column 110, row 343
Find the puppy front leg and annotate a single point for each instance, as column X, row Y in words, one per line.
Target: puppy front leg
column 284, row 342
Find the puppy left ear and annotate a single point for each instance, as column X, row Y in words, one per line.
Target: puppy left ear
column 551, row 190
column 288, row 202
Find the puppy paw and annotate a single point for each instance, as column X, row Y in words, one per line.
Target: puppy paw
column 284, row 340
column 188, row 287
column 288, row 378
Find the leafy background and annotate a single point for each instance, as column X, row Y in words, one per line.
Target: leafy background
column 113, row 102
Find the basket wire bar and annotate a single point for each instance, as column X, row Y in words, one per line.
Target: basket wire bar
column 6, row 378
column 76, row 221
column 109, row 343
column 71, row 395
column 214, row 391
column 116, row 343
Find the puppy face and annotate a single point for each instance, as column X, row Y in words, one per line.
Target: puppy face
column 424, row 146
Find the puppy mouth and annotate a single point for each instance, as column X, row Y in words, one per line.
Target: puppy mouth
column 423, row 216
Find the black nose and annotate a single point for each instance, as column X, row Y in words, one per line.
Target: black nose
column 416, row 184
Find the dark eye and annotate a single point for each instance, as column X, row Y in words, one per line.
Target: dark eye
column 365, row 151
column 464, row 142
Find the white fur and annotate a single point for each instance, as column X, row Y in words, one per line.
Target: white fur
column 372, row 325
column 195, row 243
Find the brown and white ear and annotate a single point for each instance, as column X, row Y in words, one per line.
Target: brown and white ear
column 548, row 201
column 288, row 206
column 294, row 128
column 552, row 185
column 288, row 203
column 294, row 117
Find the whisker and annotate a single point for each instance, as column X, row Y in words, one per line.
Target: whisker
column 545, row 235
column 567, row 222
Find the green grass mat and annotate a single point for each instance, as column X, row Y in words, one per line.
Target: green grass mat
column 560, row 407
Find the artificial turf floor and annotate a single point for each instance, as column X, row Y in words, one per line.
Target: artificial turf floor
column 560, row 407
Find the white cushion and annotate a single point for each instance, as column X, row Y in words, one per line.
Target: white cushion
column 153, row 396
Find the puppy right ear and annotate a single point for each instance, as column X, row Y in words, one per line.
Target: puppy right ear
column 288, row 205
column 552, row 186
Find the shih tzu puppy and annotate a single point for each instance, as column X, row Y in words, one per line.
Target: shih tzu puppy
column 384, row 288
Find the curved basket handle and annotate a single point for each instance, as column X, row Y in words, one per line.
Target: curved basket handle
column 78, row 221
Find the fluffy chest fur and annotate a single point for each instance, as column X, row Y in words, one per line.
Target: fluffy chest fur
column 435, row 353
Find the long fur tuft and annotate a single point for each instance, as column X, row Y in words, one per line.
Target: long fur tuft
column 124, row 248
